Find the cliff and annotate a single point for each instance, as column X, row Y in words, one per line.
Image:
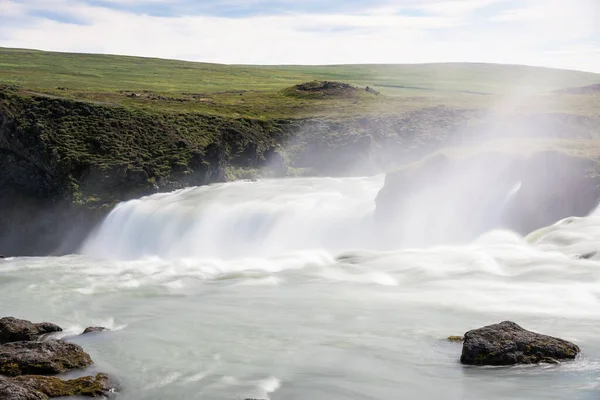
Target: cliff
column 447, row 198
column 64, row 163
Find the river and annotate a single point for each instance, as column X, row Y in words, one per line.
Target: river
column 279, row 289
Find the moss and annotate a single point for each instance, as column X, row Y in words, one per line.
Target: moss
column 238, row 173
column 54, row 387
column 455, row 338
column 11, row 369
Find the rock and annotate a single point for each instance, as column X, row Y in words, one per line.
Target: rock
column 17, row 330
column 586, row 256
column 93, row 329
column 92, row 386
column 507, row 343
column 2, row 256
column 38, row 358
column 10, row 390
column 455, row 338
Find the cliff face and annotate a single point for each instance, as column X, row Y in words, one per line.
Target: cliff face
column 64, row 164
column 445, row 200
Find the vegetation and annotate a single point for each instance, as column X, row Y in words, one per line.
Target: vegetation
column 264, row 91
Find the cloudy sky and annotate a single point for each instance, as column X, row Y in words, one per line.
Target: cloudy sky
column 554, row 33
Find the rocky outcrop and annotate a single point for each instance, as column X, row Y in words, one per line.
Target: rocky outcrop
column 16, row 330
column 24, row 363
column 39, row 358
column 445, row 199
column 91, row 386
column 507, row 343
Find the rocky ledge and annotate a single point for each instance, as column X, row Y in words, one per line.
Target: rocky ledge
column 507, row 343
column 16, row 330
column 25, row 359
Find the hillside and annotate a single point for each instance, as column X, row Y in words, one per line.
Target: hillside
column 258, row 91
column 78, row 132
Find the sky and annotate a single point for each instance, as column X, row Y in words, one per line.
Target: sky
column 551, row 33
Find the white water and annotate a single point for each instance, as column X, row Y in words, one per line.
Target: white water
column 242, row 219
column 277, row 289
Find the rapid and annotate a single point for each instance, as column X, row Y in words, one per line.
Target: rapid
column 281, row 289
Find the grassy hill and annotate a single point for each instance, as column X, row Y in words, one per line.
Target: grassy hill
column 259, row 91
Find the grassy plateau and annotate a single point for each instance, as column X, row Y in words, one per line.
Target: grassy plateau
column 260, row 91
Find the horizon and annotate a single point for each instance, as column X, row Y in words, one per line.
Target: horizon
column 282, row 33
column 300, row 65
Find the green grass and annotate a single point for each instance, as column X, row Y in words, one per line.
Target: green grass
column 260, row 91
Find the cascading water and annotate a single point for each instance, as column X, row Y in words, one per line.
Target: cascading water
column 242, row 219
column 279, row 289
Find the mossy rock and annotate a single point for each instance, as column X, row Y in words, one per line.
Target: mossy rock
column 91, row 386
column 39, row 358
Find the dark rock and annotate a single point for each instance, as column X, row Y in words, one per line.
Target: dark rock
column 37, row 358
column 17, row 330
column 587, row 256
column 507, row 343
column 92, row 329
column 10, row 390
column 91, row 386
column 2, row 256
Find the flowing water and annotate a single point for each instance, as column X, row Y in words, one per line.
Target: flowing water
column 278, row 289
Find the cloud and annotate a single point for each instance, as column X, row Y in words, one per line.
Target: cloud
column 534, row 32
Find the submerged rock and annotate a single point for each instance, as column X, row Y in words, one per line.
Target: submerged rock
column 507, row 343
column 93, row 329
column 457, row 339
column 38, row 358
column 587, row 256
column 92, row 386
column 10, row 390
column 17, row 330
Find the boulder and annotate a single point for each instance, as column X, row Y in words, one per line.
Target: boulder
column 92, row 386
column 38, row 358
column 93, row 329
column 10, row 390
column 507, row 343
column 17, row 330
